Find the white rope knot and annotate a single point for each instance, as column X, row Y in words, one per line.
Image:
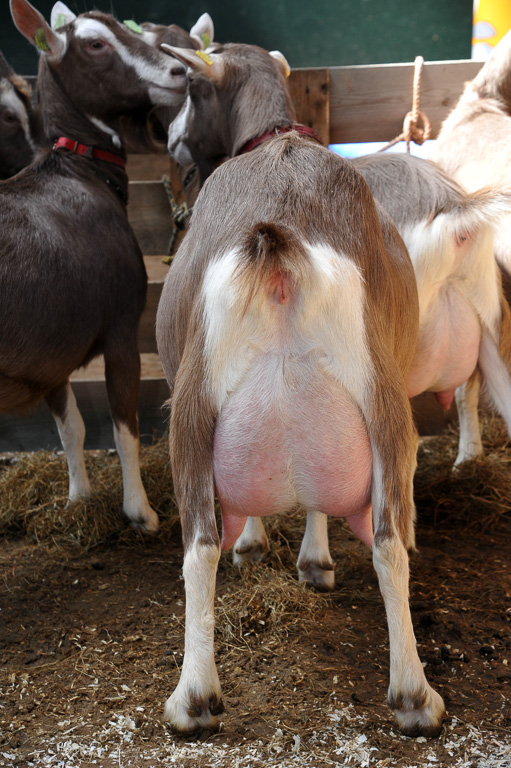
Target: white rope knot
column 416, row 126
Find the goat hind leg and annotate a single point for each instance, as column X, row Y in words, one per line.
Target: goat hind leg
column 315, row 565
column 71, row 428
column 122, row 373
column 495, row 365
column 467, row 397
column 418, row 708
column 253, row 543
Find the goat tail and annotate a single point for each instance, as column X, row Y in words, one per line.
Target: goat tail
column 273, row 261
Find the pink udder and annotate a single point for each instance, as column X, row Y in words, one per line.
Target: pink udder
column 291, row 436
column 362, row 525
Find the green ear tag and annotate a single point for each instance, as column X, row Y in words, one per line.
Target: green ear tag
column 61, row 20
column 133, row 26
column 40, row 40
column 204, row 57
column 205, row 39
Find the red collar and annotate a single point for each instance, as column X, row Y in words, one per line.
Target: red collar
column 85, row 151
column 304, row 130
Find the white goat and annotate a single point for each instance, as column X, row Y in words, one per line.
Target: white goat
column 474, row 147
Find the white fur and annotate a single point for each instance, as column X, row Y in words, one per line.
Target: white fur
column 315, row 552
column 60, row 9
column 72, row 435
column 407, row 679
column 252, row 543
column 148, row 37
column 328, row 316
column 116, row 141
column 159, row 77
column 203, row 25
column 470, row 444
column 10, row 99
column 135, row 505
column 199, row 676
column 496, row 377
column 177, row 128
column 437, row 260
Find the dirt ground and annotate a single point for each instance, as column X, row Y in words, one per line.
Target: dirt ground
column 91, row 643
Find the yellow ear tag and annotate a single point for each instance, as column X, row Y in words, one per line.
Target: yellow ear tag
column 204, row 57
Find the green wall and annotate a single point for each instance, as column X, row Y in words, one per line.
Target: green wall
column 309, row 32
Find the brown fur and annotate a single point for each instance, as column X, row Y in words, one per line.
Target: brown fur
column 268, row 206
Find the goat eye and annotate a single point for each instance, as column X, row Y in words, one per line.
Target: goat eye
column 10, row 117
column 96, row 45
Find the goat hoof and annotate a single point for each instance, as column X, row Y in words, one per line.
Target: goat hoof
column 250, row 553
column 313, row 575
column 420, row 715
column 146, row 521
column 192, row 712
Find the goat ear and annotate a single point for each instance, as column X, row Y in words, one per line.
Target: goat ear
column 282, row 61
column 203, row 31
column 33, row 26
column 60, row 15
column 197, row 61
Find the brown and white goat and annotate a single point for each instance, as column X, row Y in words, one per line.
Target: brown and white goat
column 474, row 147
column 280, row 329
column 72, row 277
column 200, row 35
column 17, row 122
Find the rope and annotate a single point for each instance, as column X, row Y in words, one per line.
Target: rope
column 179, row 214
column 416, row 126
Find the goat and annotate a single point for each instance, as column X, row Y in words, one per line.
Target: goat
column 198, row 38
column 449, row 235
column 280, row 330
column 17, row 122
column 72, row 277
column 474, row 147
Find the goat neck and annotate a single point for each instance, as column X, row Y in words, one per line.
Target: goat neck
column 241, row 95
column 62, row 118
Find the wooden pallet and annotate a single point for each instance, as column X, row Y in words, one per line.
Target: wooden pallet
column 344, row 104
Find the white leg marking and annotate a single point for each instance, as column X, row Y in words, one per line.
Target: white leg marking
column 496, row 377
column 197, row 700
column 135, row 505
column 72, row 435
column 467, row 398
column 315, row 565
column 417, row 707
column 253, row 544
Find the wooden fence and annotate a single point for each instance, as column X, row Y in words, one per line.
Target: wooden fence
column 344, row 104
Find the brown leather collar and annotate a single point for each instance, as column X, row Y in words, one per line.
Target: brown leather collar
column 304, row 130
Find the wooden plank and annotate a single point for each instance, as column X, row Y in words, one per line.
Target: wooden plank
column 311, row 98
column 37, row 430
column 156, row 274
column 148, row 167
column 95, row 371
column 149, row 214
column 368, row 103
